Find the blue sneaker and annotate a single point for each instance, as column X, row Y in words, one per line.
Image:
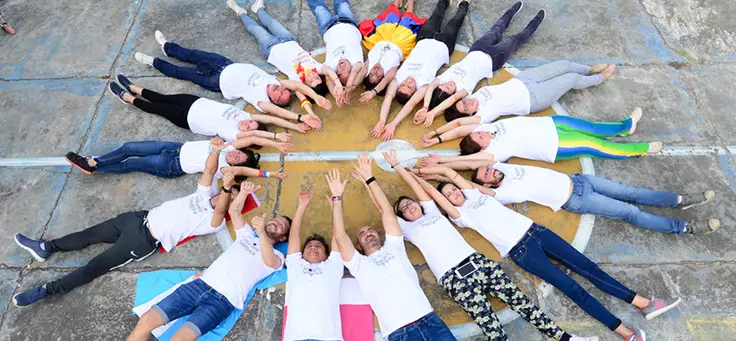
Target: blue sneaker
column 29, row 297
column 125, row 82
column 33, row 246
column 118, row 91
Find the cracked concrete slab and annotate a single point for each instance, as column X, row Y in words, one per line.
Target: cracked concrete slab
column 8, row 280
column 712, row 89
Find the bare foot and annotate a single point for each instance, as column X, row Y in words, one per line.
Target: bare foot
column 655, row 147
column 608, row 71
column 635, row 117
column 597, row 68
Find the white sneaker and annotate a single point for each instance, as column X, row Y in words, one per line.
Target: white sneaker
column 258, row 4
column 144, row 58
column 583, row 338
column 161, row 40
column 237, row 9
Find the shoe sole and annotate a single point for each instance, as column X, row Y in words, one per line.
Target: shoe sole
column 77, row 166
column 707, row 200
column 33, row 253
column 15, row 303
column 663, row 310
column 118, row 97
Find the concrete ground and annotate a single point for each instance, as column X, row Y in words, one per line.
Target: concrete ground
column 676, row 61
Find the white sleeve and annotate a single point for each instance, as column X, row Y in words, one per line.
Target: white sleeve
column 244, row 232
column 281, row 256
column 354, row 264
column 337, row 264
column 206, row 190
column 488, row 115
column 472, row 194
column 485, row 127
column 430, row 208
column 461, row 222
column 395, row 242
column 229, row 133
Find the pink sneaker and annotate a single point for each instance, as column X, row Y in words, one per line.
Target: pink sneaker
column 659, row 306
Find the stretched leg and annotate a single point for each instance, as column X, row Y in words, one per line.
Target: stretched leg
column 494, row 34
column 136, row 148
column 432, row 26
column 551, row 70
column 188, row 73
column 544, row 94
column 342, row 10
column 451, row 30
column 193, row 56
column 530, row 256
column 182, row 302
column 176, row 114
column 264, row 38
column 501, row 52
column 148, row 322
column 105, row 232
column 574, row 145
column 274, row 25
column 632, row 194
column 165, row 166
column 598, row 204
column 603, row 130
column 177, row 99
column 322, row 14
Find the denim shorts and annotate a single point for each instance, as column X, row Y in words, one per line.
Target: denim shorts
column 208, row 308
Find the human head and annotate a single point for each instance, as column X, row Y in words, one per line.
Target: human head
column 279, row 95
column 487, row 176
column 475, row 142
column 406, row 89
column 375, row 76
column 407, row 208
column 343, row 70
column 242, row 158
column 320, row 87
column 368, row 240
column 315, row 249
column 438, row 96
column 452, row 193
column 278, row 228
column 463, row 108
column 247, row 125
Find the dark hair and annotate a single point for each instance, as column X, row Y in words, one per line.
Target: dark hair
column 468, row 146
column 252, row 159
column 438, row 96
column 319, row 239
column 441, row 186
column 397, row 211
column 402, row 98
column 260, row 126
column 321, row 88
column 371, row 85
column 452, row 114
column 286, row 235
column 474, row 176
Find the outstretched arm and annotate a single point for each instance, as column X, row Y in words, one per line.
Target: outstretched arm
column 337, row 188
column 364, row 170
column 210, row 165
column 406, row 176
column 448, row 103
column 252, row 172
column 385, row 109
column 267, row 252
column 223, row 200
column 249, row 141
column 438, row 198
column 236, row 206
column 310, row 120
column 403, row 113
column 306, row 90
column 277, row 121
column 295, row 238
column 368, row 190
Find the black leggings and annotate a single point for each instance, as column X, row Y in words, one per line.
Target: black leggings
column 132, row 242
column 174, row 108
column 448, row 36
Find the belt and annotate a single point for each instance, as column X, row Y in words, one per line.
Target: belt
column 341, row 20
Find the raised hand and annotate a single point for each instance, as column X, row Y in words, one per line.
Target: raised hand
column 367, row 96
column 323, row 102
column 391, row 157
column 364, row 167
column 431, row 160
column 428, row 121
column 285, row 147
column 337, row 188
column 259, row 224
column 313, row 121
column 217, row 143
column 281, row 175
column 248, row 187
column 377, row 130
column 283, row 137
column 228, row 179
column 388, row 131
column 420, row 115
column 305, row 197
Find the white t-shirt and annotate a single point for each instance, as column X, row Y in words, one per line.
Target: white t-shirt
column 177, row 219
column 385, row 53
column 208, row 117
column 239, row 268
column 532, row 138
column 536, row 184
column 425, row 59
column 313, row 298
column 342, row 41
column 500, row 225
column 288, row 57
column 468, row 72
column 246, row 81
column 442, row 246
column 193, row 157
column 508, row 98
column 391, row 285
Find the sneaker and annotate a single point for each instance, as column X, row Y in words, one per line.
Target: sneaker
column 161, row 40
column 7, row 28
column 659, row 306
column 582, row 338
column 258, row 4
column 461, row 1
column 635, row 118
column 517, row 7
column 118, row 91
column 655, row 147
column 237, row 9
column 80, row 162
column 701, row 227
column 639, row 335
column 695, row 199
column 29, row 297
column 144, row 58
column 125, row 82
column 32, row 246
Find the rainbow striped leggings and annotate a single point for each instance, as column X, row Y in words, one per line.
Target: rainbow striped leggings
column 579, row 138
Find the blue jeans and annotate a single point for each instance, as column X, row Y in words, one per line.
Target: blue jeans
column 276, row 33
column 428, row 328
column 603, row 197
column 207, row 72
column 153, row 157
column 325, row 19
column 532, row 254
column 208, row 308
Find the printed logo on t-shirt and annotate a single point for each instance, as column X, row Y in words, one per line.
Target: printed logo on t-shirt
column 499, row 129
column 198, row 205
column 457, row 73
column 250, row 244
column 232, row 113
column 428, row 221
column 483, row 95
column 310, row 269
column 255, row 79
column 474, row 205
column 339, row 51
column 517, row 173
column 414, row 67
column 381, row 258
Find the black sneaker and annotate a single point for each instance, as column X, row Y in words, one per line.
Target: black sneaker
column 695, row 199
column 80, row 162
column 118, row 91
column 700, row 227
column 517, row 7
column 125, row 82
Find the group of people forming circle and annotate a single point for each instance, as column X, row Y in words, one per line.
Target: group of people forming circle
column 405, row 54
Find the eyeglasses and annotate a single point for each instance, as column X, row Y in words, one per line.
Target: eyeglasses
column 403, row 208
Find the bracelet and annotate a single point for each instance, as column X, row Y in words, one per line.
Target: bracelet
column 262, row 174
column 303, row 101
column 420, row 170
column 371, row 179
column 299, row 117
column 229, row 191
column 439, row 138
column 374, row 91
column 394, row 165
column 337, row 198
column 425, row 108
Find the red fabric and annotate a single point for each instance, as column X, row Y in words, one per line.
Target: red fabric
column 414, row 17
column 367, row 27
column 251, row 203
column 356, row 319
